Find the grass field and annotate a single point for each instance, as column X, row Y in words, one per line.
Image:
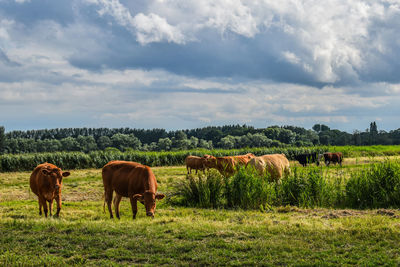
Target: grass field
column 84, row 235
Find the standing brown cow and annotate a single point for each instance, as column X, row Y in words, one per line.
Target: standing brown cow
column 336, row 157
column 46, row 183
column 133, row 180
column 194, row 162
column 225, row 165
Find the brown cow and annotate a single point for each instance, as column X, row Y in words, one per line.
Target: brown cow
column 274, row 164
column 194, row 162
column 228, row 165
column 242, row 160
column 46, row 183
column 333, row 157
column 225, row 165
column 133, row 180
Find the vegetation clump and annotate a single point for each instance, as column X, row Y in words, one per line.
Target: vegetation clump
column 374, row 186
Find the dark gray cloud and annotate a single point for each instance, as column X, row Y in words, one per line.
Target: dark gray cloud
column 186, row 63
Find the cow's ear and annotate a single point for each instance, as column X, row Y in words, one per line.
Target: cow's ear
column 66, row 174
column 138, row 197
column 45, row 171
column 160, row 196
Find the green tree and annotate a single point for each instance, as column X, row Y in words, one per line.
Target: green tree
column 87, row 143
column 2, row 139
column 69, row 144
column 373, row 133
column 164, row 144
column 103, row 142
column 228, row 142
column 125, row 141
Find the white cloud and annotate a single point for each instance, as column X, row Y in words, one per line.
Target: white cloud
column 153, row 28
column 342, row 43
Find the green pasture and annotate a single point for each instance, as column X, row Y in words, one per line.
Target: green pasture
column 178, row 235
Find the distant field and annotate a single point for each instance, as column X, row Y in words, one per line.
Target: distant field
column 181, row 236
column 80, row 160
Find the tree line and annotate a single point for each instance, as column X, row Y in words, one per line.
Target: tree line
column 226, row 137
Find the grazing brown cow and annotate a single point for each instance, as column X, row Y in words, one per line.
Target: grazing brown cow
column 225, row 165
column 133, row 180
column 242, row 160
column 228, row 165
column 333, row 157
column 194, row 162
column 275, row 165
column 46, row 183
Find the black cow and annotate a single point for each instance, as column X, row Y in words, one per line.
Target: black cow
column 305, row 158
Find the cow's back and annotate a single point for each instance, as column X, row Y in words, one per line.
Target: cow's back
column 127, row 178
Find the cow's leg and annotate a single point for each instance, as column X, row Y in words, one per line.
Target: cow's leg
column 40, row 207
column 108, row 198
column 59, row 202
column 44, row 205
column 50, row 207
column 117, row 200
column 134, row 206
column 187, row 168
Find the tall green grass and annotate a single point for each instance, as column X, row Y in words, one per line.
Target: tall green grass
column 374, row 186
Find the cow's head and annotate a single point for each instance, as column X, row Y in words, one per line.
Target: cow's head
column 250, row 155
column 55, row 177
column 210, row 161
column 149, row 200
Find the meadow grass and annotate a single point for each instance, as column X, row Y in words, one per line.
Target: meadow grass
column 286, row 235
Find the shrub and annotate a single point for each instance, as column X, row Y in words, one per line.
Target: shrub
column 203, row 191
column 247, row 190
column 307, row 187
column 375, row 186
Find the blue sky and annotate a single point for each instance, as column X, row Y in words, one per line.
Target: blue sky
column 178, row 64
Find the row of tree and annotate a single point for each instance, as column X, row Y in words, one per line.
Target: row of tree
column 227, row 137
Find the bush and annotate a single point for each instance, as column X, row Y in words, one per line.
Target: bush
column 204, row 191
column 307, row 187
column 304, row 187
column 376, row 186
column 247, row 190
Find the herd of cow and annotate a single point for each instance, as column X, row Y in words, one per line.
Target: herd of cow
column 138, row 182
column 272, row 164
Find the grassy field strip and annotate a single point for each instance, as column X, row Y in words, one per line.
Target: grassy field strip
column 84, row 235
column 197, row 236
column 87, row 184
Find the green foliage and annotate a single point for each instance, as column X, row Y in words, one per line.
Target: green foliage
column 204, row 191
column 307, row 187
column 247, row 190
column 376, row 186
column 97, row 159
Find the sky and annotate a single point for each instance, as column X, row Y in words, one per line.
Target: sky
column 182, row 64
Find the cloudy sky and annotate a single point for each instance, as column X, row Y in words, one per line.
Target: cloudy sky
column 178, row 64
